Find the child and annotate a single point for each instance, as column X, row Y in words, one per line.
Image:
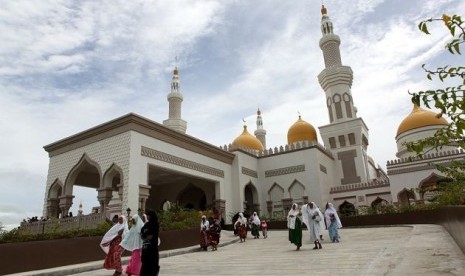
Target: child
column 264, row 227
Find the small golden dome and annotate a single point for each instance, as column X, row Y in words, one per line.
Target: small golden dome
column 420, row 117
column 176, row 71
column 247, row 140
column 301, row 131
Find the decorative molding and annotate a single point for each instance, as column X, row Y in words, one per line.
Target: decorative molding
column 286, row 170
column 323, row 169
column 168, row 158
column 249, row 172
column 412, row 169
column 359, row 186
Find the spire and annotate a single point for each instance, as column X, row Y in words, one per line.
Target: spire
column 260, row 133
column 175, row 99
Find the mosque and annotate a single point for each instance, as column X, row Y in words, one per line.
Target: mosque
column 134, row 162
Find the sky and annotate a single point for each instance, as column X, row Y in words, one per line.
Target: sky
column 67, row 66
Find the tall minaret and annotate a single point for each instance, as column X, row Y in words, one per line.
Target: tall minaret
column 346, row 135
column 175, row 99
column 260, row 133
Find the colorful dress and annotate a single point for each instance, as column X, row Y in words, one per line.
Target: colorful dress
column 214, row 234
column 332, row 219
column 113, row 258
column 133, row 242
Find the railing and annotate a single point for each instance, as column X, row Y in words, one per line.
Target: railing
column 64, row 224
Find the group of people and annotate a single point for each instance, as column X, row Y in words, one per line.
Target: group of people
column 210, row 232
column 315, row 220
column 141, row 240
column 241, row 225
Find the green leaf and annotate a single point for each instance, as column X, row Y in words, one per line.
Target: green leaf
column 457, row 48
column 423, row 28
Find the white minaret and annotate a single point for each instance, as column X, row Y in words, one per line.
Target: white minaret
column 175, row 99
column 346, row 135
column 260, row 133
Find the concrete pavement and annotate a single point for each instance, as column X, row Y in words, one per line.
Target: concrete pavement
column 400, row 250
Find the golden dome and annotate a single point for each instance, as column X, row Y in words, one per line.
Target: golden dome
column 420, row 117
column 301, row 131
column 247, row 140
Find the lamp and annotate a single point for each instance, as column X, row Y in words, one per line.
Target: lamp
column 128, row 211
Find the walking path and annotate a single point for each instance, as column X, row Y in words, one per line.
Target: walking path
column 400, row 250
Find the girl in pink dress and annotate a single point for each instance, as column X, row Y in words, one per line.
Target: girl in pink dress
column 133, row 242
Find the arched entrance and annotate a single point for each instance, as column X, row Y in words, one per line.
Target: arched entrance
column 53, row 199
column 275, row 205
column 405, row 196
column 428, row 187
column 192, row 197
column 251, row 203
column 180, row 189
column 347, row 209
column 86, row 173
column 113, row 186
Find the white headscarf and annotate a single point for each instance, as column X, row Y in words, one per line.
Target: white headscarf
column 240, row 220
column 256, row 219
column 133, row 240
column 308, row 213
column 204, row 225
column 113, row 232
column 294, row 213
column 331, row 210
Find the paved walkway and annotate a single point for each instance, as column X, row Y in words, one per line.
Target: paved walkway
column 401, row 250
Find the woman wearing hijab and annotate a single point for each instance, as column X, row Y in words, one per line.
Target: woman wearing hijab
column 214, row 234
column 294, row 223
column 133, row 242
column 255, row 226
column 204, row 227
column 333, row 222
column 241, row 226
column 312, row 217
column 110, row 244
column 150, row 257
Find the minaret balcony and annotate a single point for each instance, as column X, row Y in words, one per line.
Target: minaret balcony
column 335, row 75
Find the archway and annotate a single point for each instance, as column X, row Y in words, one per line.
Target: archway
column 192, row 197
column 428, row 187
column 53, row 199
column 276, row 194
column 405, row 196
column 113, row 181
column 251, row 199
column 86, row 173
column 296, row 192
column 379, row 202
column 347, row 209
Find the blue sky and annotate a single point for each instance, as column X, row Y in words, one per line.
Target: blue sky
column 66, row 66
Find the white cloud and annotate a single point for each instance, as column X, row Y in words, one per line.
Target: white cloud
column 68, row 66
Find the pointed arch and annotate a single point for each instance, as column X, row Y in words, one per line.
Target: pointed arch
column 112, row 177
column 276, row 188
column 56, row 189
column 347, row 209
column 404, row 197
column 378, row 202
column 296, row 191
column 85, row 173
column 429, row 185
column 192, row 197
column 251, row 198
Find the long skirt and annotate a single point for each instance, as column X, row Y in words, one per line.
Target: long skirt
column 242, row 231
column 135, row 263
column 333, row 232
column 255, row 230
column 214, row 238
column 113, row 258
column 150, row 259
column 204, row 239
column 295, row 235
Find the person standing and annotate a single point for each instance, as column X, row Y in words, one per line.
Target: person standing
column 255, row 226
column 333, row 222
column 294, row 224
column 204, row 227
column 150, row 256
column 312, row 216
column 264, row 227
column 214, row 234
column 110, row 244
column 133, row 242
column 241, row 226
